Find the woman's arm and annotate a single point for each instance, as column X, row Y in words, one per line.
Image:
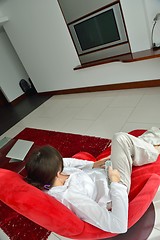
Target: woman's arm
column 81, row 164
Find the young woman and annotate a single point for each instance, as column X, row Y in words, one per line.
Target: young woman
column 83, row 186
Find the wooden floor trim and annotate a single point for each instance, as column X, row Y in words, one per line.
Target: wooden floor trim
column 118, row 86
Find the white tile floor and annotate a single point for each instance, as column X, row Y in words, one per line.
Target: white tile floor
column 98, row 114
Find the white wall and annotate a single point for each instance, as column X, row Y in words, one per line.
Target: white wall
column 137, row 26
column 152, row 7
column 1, row 14
column 11, row 69
column 40, row 36
column 139, row 16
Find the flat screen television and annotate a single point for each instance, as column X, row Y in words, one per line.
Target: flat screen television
column 102, row 29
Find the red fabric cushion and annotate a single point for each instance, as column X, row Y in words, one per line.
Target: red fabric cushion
column 36, row 205
column 52, row 215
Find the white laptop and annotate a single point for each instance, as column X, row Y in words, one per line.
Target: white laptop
column 19, row 150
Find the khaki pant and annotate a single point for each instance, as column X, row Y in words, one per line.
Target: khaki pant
column 127, row 150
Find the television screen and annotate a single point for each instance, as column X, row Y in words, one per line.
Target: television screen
column 98, row 30
column 100, row 34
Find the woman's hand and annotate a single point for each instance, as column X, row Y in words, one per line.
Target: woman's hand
column 100, row 163
column 114, row 175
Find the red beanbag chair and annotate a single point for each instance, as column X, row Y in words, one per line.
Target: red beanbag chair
column 54, row 216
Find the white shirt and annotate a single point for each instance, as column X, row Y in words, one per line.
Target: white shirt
column 86, row 193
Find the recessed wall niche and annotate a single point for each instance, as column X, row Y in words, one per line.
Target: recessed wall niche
column 98, row 31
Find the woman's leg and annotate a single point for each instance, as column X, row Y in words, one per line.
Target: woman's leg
column 128, row 150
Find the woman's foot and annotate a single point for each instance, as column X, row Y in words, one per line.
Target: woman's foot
column 151, row 136
column 157, row 147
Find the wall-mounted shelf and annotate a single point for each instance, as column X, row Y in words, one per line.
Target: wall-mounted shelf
column 3, row 20
column 126, row 58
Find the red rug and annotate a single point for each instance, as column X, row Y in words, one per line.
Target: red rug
column 15, row 225
column 67, row 144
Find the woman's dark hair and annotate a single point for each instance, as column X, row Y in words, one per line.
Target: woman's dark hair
column 43, row 166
